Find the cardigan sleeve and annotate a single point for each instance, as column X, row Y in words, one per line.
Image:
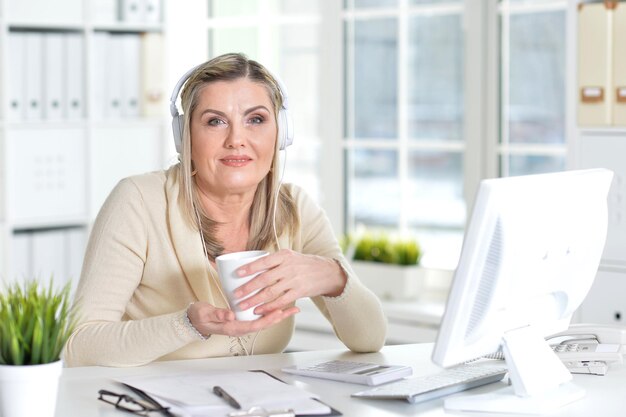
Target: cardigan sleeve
column 112, row 270
column 356, row 314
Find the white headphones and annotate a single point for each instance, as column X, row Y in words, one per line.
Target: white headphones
column 285, row 122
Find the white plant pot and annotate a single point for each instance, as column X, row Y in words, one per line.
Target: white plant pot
column 390, row 282
column 29, row 391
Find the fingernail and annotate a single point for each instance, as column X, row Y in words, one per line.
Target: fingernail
column 243, row 306
column 237, row 294
column 241, row 272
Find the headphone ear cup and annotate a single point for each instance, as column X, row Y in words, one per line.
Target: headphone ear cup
column 285, row 129
column 177, row 131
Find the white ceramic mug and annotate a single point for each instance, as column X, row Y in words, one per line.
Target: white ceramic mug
column 226, row 268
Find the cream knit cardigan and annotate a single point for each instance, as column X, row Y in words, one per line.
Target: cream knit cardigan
column 144, row 264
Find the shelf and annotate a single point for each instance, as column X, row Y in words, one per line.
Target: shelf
column 604, row 131
column 46, row 27
column 128, row 27
column 58, row 163
column 51, row 223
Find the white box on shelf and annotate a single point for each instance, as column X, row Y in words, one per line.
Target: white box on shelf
column 45, row 11
column 45, row 174
column 605, row 303
column 608, row 151
column 118, row 152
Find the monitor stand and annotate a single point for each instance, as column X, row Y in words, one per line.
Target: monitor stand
column 540, row 381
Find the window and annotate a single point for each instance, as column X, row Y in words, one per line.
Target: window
column 532, row 132
column 403, row 139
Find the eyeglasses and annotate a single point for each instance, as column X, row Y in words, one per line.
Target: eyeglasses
column 127, row 403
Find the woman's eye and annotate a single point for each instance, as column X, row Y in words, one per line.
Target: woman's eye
column 256, row 120
column 215, row 122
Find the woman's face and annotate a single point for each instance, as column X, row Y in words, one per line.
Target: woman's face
column 233, row 134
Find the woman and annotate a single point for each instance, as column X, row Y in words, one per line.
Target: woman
column 149, row 288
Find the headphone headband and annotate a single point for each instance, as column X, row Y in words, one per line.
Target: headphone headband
column 285, row 122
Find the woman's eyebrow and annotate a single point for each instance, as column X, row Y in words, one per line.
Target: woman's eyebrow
column 248, row 111
column 219, row 113
column 255, row 108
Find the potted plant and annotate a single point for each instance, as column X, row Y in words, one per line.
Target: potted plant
column 388, row 266
column 35, row 323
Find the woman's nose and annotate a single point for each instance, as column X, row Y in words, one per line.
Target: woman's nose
column 236, row 137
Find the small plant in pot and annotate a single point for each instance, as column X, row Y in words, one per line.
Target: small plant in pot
column 388, row 266
column 35, row 322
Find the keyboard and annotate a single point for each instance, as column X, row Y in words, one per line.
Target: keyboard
column 446, row 382
column 354, row 372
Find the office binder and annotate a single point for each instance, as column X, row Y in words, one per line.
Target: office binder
column 151, row 11
column 130, row 10
column 16, row 88
column 33, row 75
column 618, row 93
column 152, row 94
column 74, row 95
column 115, row 72
column 54, row 76
column 594, row 61
column 98, row 82
column 130, row 80
column 48, row 256
column 21, row 257
column 103, row 11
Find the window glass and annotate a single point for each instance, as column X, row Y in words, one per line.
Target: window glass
column 427, row 2
column 435, row 78
column 535, row 164
column 235, row 40
column 229, row 8
column 375, row 79
column 299, row 6
column 374, row 192
column 436, row 190
column 536, row 106
column 362, row 4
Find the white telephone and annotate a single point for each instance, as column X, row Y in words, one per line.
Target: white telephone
column 587, row 348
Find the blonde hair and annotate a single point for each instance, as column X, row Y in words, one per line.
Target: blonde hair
column 230, row 67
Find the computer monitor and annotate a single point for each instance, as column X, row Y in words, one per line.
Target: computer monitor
column 529, row 257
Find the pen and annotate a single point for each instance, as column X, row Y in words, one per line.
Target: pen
column 219, row 391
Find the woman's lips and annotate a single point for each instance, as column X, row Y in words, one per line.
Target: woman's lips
column 236, row 160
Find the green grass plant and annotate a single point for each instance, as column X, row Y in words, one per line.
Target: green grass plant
column 35, row 323
column 381, row 248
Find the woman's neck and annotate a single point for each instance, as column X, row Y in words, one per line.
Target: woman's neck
column 233, row 217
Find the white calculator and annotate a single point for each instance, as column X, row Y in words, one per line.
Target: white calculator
column 354, row 372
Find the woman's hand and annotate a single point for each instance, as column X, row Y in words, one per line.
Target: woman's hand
column 288, row 276
column 208, row 320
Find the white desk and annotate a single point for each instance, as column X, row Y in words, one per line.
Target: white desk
column 79, row 386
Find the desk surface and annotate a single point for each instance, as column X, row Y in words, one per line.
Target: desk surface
column 79, row 386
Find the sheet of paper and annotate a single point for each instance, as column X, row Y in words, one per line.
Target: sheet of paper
column 193, row 392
